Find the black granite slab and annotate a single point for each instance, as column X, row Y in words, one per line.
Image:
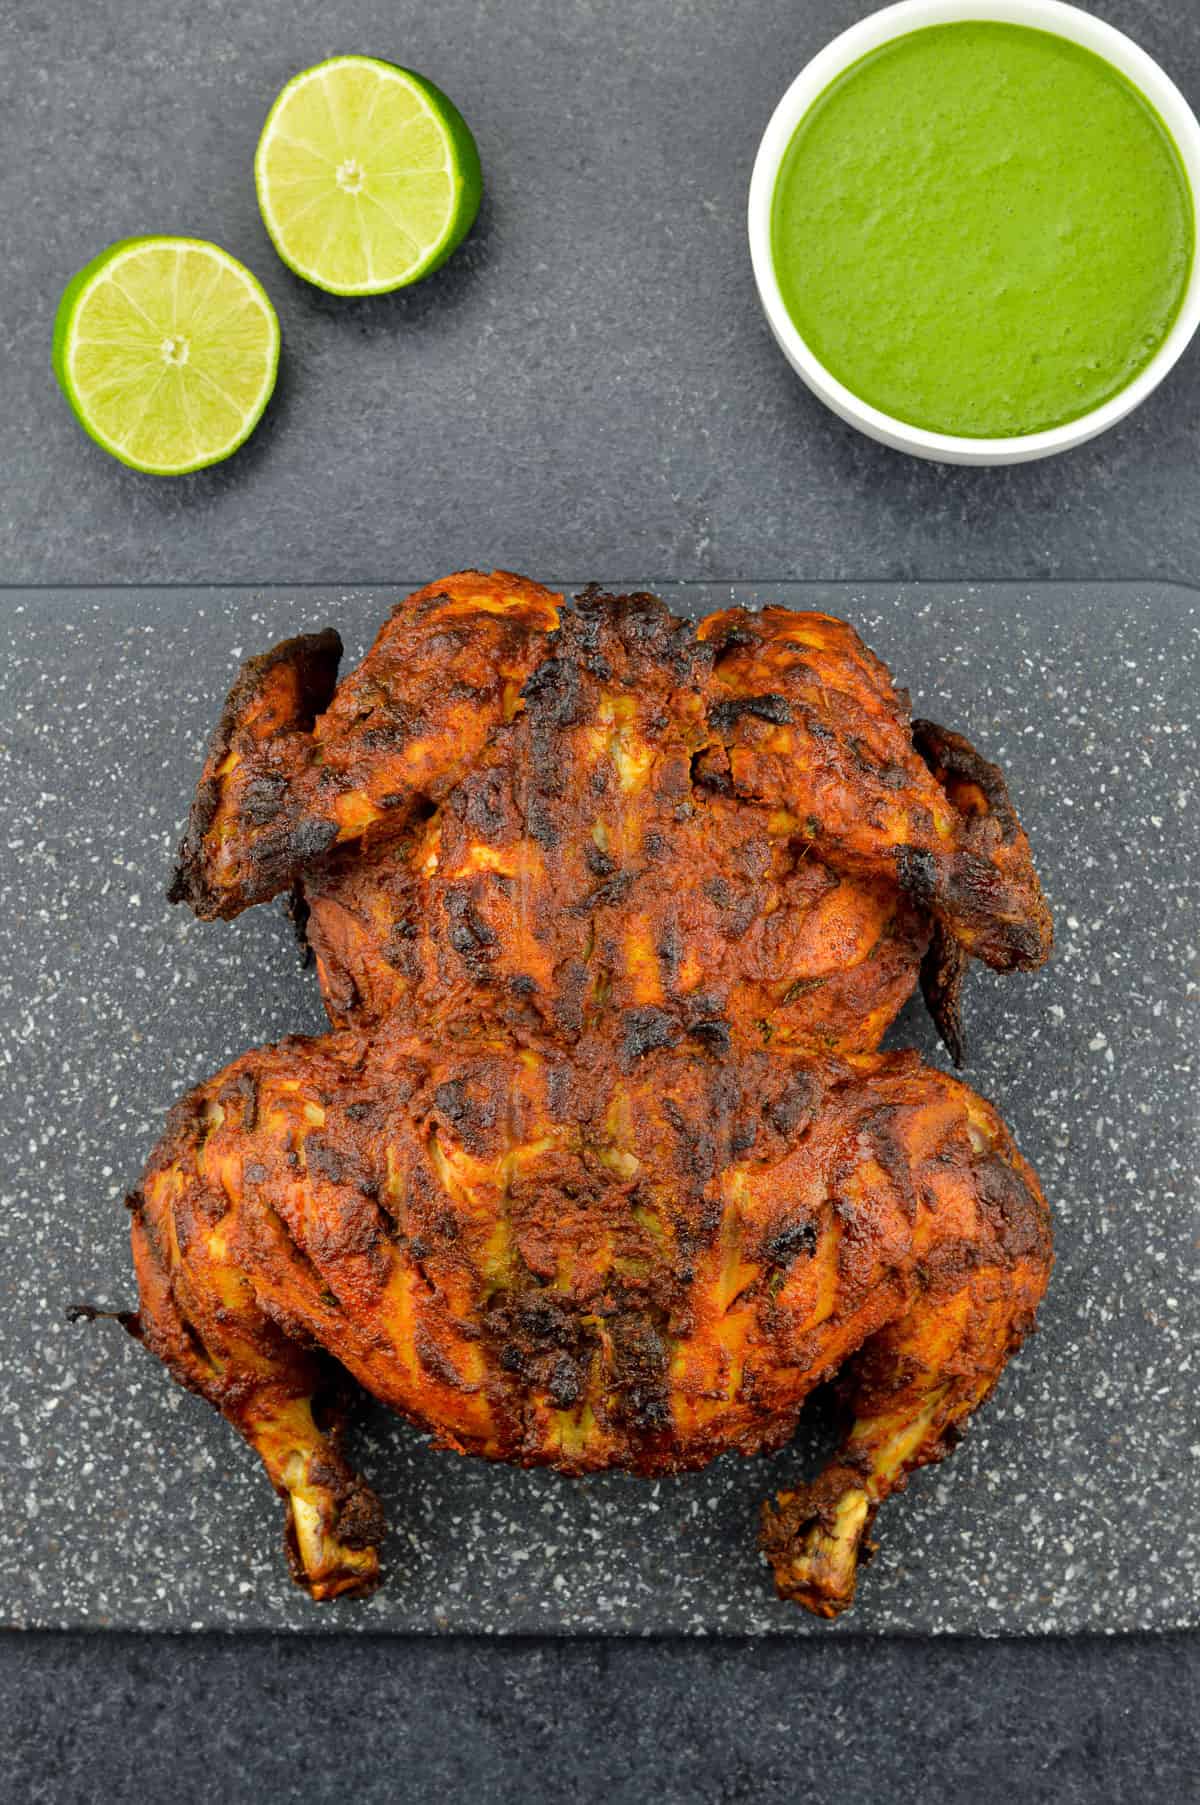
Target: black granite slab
column 1072, row 1504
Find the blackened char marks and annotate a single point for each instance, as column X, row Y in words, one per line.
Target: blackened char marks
column 880, row 1129
column 646, row 1029
column 361, row 1522
column 129, row 1320
column 309, row 839
column 712, row 1034
column 484, row 803
column 469, row 1110
column 597, row 861
column 955, row 763
column 263, row 797
column 400, row 949
column 313, row 659
column 723, row 717
column 553, row 701
column 243, row 1091
column 553, row 693
column 976, row 890
column 917, row 874
column 608, row 894
column 639, row 632
column 790, row 1242
column 793, row 1107
column 469, row 934
column 943, row 975
column 697, row 1148
column 1017, row 1215
column 572, row 980
column 639, row 1373
column 436, row 1362
column 740, row 905
column 564, row 1382
column 542, row 1342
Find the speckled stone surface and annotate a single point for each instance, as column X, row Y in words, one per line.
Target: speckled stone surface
column 1073, row 1502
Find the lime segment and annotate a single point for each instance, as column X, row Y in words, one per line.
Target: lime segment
column 166, row 350
column 367, row 176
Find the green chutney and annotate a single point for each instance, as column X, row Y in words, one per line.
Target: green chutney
column 982, row 229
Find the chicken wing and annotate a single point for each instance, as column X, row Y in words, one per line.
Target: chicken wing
column 535, row 816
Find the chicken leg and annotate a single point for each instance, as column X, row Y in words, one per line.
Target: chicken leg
column 198, row 1313
column 915, row 1381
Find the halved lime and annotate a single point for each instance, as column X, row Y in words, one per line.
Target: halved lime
column 367, row 176
column 166, row 349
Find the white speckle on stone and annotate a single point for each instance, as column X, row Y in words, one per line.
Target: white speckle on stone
column 131, row 1504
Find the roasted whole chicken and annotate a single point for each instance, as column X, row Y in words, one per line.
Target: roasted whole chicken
column 600, row 1165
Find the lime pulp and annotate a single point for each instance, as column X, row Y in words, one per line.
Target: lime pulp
column 166, row 350
column 367, row 176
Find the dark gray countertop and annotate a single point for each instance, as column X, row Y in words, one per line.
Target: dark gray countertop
column 588, row 386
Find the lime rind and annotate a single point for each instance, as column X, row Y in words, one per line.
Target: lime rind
column 260, row 361
column 285, row 159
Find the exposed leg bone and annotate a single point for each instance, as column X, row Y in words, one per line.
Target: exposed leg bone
column 199, row 1315
column 911, row 1386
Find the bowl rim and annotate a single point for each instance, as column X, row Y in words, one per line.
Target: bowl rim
column 869, row 34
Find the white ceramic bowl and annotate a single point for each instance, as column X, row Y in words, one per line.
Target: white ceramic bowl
column 868, row 35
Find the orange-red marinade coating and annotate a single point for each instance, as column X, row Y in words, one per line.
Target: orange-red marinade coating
column 600, row 1166
column 576, row 1261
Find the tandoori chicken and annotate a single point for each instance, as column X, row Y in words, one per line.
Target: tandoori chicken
column 600, row 1164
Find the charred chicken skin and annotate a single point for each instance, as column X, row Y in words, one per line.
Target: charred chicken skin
column 600, row 1165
